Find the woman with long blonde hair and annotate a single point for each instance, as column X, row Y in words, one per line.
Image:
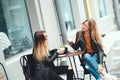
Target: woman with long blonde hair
column 89, row 41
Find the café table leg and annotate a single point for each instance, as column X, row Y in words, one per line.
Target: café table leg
column 72, row 67
column 76, row 77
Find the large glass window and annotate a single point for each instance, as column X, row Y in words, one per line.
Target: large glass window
column 102, row 8
column 15, row 20
column 65, row 15
column 67, row 11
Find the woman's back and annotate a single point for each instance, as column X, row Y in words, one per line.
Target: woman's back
column 41, row 71
column 44, row 72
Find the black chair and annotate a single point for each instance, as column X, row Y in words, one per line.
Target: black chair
column 86, row 72
column 4, row 71
column 27, row 64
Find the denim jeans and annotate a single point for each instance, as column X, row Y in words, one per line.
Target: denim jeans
column 91, row 64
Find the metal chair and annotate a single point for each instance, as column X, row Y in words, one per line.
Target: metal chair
column 27, row 63
column 4, row 71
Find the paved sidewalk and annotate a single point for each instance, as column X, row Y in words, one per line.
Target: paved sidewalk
column 113, row 64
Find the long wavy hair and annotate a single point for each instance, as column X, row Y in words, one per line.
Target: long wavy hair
column 40, row 49
column 93, row 32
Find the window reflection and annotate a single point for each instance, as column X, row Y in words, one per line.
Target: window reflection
column 17, row 25
column 65, row 16
column 68, row 16
column 102, row 8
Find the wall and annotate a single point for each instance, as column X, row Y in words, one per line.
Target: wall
column 50, row 23
column 105, row 24
column 34, row 15
column 78, row 12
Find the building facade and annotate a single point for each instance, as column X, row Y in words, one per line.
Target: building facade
column 19, row 19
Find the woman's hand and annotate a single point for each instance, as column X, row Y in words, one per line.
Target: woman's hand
column 70, row 42
column 60, row 50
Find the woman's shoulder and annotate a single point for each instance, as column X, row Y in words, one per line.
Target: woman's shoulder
column 79, row 32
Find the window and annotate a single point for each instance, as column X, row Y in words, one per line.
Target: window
column 16, row 26
column 102, row 8
column 68, row 16
column 65, row 16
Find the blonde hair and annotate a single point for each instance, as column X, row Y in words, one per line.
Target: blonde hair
column 93, row 30
column 40, row 50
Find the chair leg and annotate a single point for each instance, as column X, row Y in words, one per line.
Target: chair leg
column 105, row 67
column 84, row 76
column 90, row 76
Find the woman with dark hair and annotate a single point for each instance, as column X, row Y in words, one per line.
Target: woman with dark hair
column 44, row 67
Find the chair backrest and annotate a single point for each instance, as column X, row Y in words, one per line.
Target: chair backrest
column 27, row 64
